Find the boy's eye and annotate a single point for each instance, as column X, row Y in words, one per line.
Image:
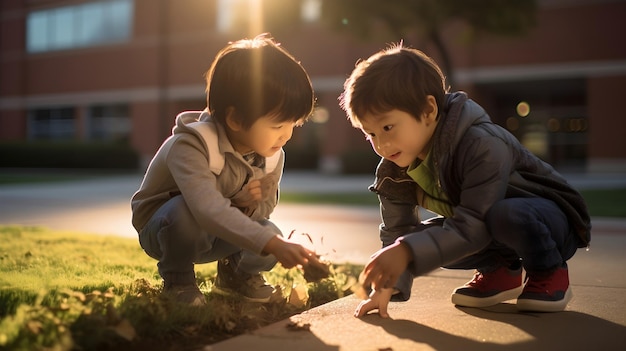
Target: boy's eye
column 387, row 128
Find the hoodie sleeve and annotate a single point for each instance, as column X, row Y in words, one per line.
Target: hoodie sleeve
column 189, row 166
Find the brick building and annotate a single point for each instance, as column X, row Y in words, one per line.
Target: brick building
column 123, row 69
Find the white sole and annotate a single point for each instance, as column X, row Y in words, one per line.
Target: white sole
column 529, row 305
column 478, row 302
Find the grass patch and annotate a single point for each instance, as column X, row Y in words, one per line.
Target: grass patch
column 67, row 291
column 606, row 202
column 601, row 202
column 14, row 178
column 21, row 176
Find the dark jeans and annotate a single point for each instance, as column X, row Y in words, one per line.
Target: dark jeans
column 173, row 237
column 534, row 230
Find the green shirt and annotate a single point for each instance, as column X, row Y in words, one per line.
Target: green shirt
column 429, row 194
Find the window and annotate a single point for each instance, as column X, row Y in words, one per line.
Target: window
column 52, row 124
column 84, row 25
column 109, row 122
column 231, row 12
column 311, row 10
column 236, row 13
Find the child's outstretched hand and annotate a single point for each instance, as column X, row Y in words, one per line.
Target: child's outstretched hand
column 378, row 299
column 386, row 265
column 381, row 273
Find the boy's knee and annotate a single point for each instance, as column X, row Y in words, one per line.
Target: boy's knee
column 496, row 213
column 271, row 225
column 505, row 214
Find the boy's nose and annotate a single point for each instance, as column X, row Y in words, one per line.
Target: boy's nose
column 381, row 145
column 287, row 135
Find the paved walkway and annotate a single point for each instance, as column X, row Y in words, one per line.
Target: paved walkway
column 594, row 320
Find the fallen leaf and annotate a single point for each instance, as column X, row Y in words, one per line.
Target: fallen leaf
column 315, row 270
column 291, row 234
column 230, row 325
column 308, row 237
column 298, row 326
column 299, row 296
column 359, row 291
column 34, row 326
column 125, row 330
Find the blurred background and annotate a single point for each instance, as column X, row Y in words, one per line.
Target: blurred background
column 97, row 84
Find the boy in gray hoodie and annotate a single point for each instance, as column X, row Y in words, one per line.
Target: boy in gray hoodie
column 208, row 193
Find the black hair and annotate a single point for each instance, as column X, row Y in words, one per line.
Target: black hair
column 257, row 77
column 394, row 78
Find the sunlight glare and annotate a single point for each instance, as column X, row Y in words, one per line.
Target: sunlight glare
column 232, row 13
column 255, row 16
column 311, row 10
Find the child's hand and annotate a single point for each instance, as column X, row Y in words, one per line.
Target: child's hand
column 378, row 299
column 253, row 188
column 249, row 196
column 386, row 265
column 289, row 254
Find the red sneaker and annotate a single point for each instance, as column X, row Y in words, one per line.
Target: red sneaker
column 487, row 289
column 546, row 292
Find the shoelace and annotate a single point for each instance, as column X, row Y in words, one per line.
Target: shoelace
column 477, row 279
column 256, row 281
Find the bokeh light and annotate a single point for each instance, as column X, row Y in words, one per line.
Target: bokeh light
column 523, row 109
column 512, row 123
column 554, row 125
column 320, row 115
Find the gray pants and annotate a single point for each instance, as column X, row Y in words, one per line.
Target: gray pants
column 173, row 237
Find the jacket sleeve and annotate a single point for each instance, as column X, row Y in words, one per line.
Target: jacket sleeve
column 483, row 164
column 398, row 219
column 188, row 164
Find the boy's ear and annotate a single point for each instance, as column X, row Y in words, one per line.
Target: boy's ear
column 431, row 110
column 231, row 120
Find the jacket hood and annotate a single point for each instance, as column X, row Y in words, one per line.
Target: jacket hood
column 187, row 123
column 459, row 114
column 185, row 119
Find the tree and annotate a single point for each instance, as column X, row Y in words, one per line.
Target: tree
column 427, row 18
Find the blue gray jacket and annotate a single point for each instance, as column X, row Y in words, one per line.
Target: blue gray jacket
column 478, row 163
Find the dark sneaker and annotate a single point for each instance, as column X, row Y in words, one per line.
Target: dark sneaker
column 251, row 287
column 188, row 294
column 545, row 292
column 490, row 288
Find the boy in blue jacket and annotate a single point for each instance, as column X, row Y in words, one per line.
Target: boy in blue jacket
column 502, row 210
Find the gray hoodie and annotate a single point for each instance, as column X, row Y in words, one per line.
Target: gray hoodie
column 209, row 174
